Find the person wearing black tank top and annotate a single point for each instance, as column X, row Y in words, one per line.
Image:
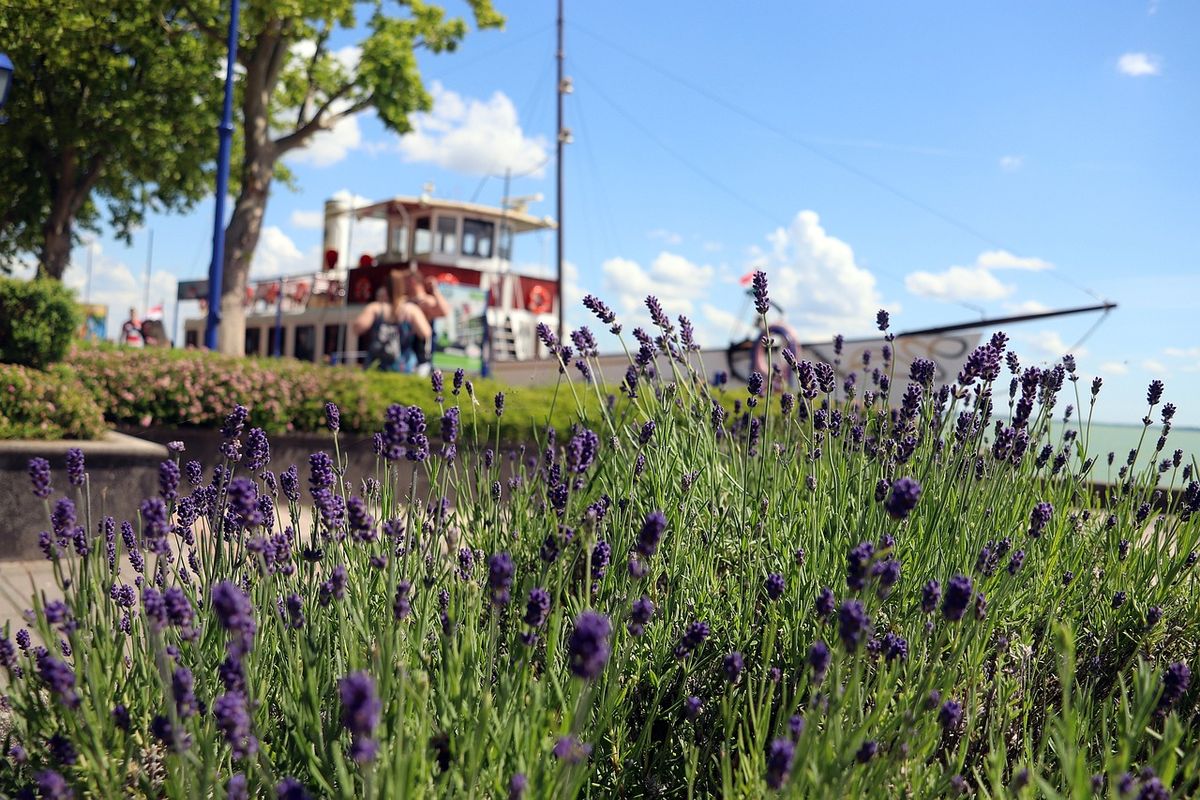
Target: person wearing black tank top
column 395, row 325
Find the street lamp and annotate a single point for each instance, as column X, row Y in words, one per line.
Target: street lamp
column 6, row 73
column 225, row 137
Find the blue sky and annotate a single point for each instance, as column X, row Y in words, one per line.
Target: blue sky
column 931, row 158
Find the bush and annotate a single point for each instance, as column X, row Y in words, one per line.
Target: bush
column 194, row 388
column 38, row 319
column 46, row 405
column 901, row 596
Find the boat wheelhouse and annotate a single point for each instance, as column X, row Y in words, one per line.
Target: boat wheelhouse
column 459, row 245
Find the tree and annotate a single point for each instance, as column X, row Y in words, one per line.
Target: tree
column 111, row 114
column 293, row 85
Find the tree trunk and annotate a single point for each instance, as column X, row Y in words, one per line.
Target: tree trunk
column 241, row 238
column 56, row 247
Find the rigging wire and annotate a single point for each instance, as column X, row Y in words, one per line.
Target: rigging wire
column 820, row 153
column 700, row 171
column 608, row 227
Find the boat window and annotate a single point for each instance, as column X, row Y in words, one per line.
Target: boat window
column 304, row 347
column 330, row 346
column 399, row 242
column 278, row 339
column 423, row 244
column 506, row 237
column 447, row 234
column 477, row 237
column 253, row 341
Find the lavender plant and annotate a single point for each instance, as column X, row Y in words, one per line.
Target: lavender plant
column 849, row 591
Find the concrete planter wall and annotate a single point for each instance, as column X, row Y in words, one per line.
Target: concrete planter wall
column 123, row 471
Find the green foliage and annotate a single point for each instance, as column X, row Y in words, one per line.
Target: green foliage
column 111, row 114
column 46, row 405
column 37, row 320
column 1049, row 674
column 195, row 388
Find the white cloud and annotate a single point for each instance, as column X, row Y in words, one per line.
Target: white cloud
column 1002, row 259
column 1049, row 345
column 958, row 283
column 976, row 281
column 1026, row 307
column 277, row 254
column 1155, row 366
column 115, row 285
column 712, row 247
column 674, row 280
column 664, row 235
column 815, row 277
column 1114, row 368
column 329, row 147
column 473, row 136
column 308, row 220
column 1139, row 65
column 1183, row 352
column 1011, row 163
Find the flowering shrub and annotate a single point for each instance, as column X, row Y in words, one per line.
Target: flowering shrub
column 51, row 404
column 38, row 318
column 195, row 388
column 873, row 595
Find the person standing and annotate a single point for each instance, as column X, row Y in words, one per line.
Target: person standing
column 131, row 331
column 394, row 325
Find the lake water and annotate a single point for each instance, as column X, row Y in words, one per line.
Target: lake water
column 1120, row 439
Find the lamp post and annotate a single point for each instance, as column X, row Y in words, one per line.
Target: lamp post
column 6, row 74
column 225, row 134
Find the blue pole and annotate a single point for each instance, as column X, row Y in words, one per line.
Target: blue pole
column 225, row 133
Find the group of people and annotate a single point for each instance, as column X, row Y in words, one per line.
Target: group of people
column 399, row 323
column 138, row 333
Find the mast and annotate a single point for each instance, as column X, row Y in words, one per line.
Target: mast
column 562, row 137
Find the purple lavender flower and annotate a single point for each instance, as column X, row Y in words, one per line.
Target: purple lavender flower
column 658, row 316
column 52, row 785
column 402, row 604
column 958, row 597
column 320, row 472
column 894, row 647
column 694, row 636
column 39, row 475
column 1175, row 682
column 825, row 603
column 361, row 710
column 780, row 754
column 651, row 533
column 499, row 403
column 818, row 659
column 597, row 307
column 237, row 787
column 640, row 615
column 500, row 576
column 588, row 646
column 537, row 607
column 60, row 679
column 1154, row 392
column 775, row 586
column 867, row 751
column 903, row 499
column 183, row 685
column 517, row 786
column 1039, row 518
column 291, row 789
column 796, row 726
column 759, row 287
column 235, row 614
column 75, row 469
column 1015, row 562
column 1154, row 615
column 733, row 664
column 755, row 383
column 950, row 716
column 289, row 482
column 570, row 750
column 853, row 623
column 258, row 450
column 692, row 707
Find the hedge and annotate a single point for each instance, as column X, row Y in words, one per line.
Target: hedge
column 38, row 318
column 51, row 404
column 197, row 388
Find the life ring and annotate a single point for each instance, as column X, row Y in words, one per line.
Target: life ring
column 539, row 300
column 272, row 293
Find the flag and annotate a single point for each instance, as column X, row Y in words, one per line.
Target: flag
column 155, row 312
column 746, row 279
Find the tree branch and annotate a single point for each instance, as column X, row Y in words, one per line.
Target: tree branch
column 208, row 30
column 318, row 121
column 322, row 39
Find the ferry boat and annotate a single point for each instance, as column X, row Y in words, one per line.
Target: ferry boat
column 466, row 248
